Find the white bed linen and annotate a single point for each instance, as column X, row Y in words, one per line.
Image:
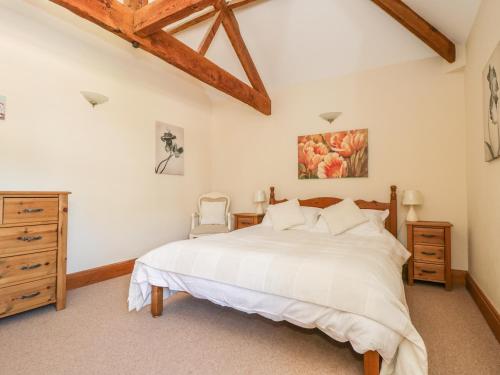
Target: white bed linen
column 355, row 278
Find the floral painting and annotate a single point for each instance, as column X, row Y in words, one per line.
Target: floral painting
column 333, row 155
column 2, row 107
column 491, row 88
column 169, row 149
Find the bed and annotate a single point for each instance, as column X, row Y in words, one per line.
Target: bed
column 348, row 286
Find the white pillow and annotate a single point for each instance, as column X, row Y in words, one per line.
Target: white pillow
column 343, row 216
column 311, row 214
column 321, row 226
column 213, row 213
column 285, row 215
column 377, row 217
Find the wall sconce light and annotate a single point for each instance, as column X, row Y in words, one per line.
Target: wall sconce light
column 94, row 98
column 330, row 116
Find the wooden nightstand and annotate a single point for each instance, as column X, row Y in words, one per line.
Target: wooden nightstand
column 244, row 220
column 429, row 242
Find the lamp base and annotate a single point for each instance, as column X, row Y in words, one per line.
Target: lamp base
column 412, row 214
column 260, row 209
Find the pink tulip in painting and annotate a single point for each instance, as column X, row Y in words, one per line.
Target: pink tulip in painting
column 333, row 155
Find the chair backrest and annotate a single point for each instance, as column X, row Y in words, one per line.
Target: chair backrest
column 215, row 197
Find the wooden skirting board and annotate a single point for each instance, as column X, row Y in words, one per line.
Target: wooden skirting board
column 96, row 275
column 487, row 309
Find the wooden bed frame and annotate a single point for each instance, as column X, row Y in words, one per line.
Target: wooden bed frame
column 371, row 359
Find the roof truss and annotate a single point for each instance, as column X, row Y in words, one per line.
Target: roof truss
column 122, row 20
column 142, row 22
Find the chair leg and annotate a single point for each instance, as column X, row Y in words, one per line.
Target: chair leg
column 156, row 301
column 371, row 361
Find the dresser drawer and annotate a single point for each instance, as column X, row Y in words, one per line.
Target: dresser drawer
column 25, row 239
column 429, row 253
column 30, row 210
column 22, row 297
column 26, row 267
column 428, row 271
column 434, row 236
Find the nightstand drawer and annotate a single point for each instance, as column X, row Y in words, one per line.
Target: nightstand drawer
column 245, row 222
column 428, row 271
column 429, row 253
column 423, row 235
column 30, row 210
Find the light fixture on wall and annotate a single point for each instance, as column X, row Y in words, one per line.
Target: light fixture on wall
column 330, row 116
column 94, row 98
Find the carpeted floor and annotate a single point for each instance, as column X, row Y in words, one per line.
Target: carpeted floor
column 96, row 335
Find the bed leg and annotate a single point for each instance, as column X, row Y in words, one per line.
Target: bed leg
column 372, row 363
column 156, row 301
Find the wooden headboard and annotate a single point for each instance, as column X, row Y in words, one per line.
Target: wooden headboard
column 391, row 223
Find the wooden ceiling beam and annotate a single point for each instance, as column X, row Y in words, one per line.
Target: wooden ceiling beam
column 160, row 13
column 136, row 4
column 118, row 18
column 232, row 5
column 233, row 32
column 210, row 35
column 420, row 27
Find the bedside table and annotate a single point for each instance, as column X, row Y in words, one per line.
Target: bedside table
column 244, row 220
column 429, row 243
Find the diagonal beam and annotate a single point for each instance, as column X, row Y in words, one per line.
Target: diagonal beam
column 232, row 5
column 233, row 32
column 420, row 27
column 118, row 18
column 161, row 13
column 209, row 36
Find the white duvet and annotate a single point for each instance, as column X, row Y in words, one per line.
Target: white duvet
column 352, row 276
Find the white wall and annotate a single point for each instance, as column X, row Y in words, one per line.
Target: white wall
column 483, row 179
column 53, row 139
column 415, row 116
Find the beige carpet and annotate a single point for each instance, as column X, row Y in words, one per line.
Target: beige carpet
column 96, row 335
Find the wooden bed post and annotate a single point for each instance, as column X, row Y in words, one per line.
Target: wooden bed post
column 156, row 301
column 371, row 361
column 394, row 211
column 272, row 198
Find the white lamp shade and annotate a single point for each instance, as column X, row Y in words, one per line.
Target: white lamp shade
column 260, row 196
column 412, row 198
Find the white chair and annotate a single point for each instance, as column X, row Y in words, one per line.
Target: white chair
column 220, row 225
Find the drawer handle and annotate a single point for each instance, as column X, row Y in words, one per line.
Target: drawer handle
column 32, row 267
column 428, row 253
column 29, row 238
column 26, row 296
column 427, row 271
column 428, row 235
column 32, row 210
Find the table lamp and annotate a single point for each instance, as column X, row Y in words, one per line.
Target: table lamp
column 412, row 198
column 259, row 199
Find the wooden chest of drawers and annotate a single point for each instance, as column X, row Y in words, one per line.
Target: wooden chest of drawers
column 244, row 220
column 33, row 233
column 429, row 242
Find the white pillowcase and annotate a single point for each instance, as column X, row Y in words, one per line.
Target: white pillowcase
column 213, row 213
column 343, row 216
column 311, row 214
column 377, row 217
column 286, row 215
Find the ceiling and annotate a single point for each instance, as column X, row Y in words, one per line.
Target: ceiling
column 294, row 41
